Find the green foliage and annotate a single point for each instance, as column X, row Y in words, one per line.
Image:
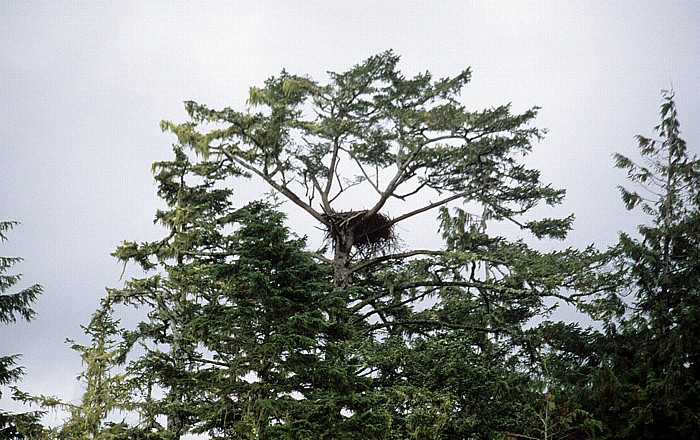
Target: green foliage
column 651, row 387
column 105, row 392
column 14, row 306
column 248, row 334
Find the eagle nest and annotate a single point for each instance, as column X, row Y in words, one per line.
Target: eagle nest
column 371, row 235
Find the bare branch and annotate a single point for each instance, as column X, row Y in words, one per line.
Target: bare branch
column 320, row 257
column 332, row 168
column 409, row 194
column 281, row 188
column 314, row 181
column 400, row 175
column 367, row 178
column 436, row 204
column 348, row 184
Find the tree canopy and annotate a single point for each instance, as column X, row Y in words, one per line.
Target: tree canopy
column 248, row 330
column 252, row 335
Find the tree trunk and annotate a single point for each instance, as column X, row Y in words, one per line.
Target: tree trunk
column 341, row 259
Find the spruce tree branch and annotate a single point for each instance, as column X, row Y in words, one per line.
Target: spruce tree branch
column 392, row 306
column 380, row 259
column 434, row 323
column 320, row 257
column 210, row 362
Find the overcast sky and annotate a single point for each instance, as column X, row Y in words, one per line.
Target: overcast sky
column 84, row 85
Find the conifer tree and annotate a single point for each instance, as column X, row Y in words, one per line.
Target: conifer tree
column 652, row 386
column 14, row 306
column 251, row 335
column 105, row 393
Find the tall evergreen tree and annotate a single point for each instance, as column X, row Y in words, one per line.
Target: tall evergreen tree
column 652, row 389
column 249, row 335
column 199, row 218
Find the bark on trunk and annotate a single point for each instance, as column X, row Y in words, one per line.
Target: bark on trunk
column 341, row 260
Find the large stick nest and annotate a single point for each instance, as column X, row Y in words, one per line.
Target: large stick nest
column 373, row 234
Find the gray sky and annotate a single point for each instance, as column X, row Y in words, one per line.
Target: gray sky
column 84, row 85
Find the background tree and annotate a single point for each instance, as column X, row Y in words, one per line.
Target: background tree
column 197, row 216
column 105, row 393
column 14, row 306
column 652, row 386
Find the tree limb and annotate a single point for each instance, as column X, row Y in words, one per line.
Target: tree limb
column 282, row 189
column 434, row 205
column 383, row 258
